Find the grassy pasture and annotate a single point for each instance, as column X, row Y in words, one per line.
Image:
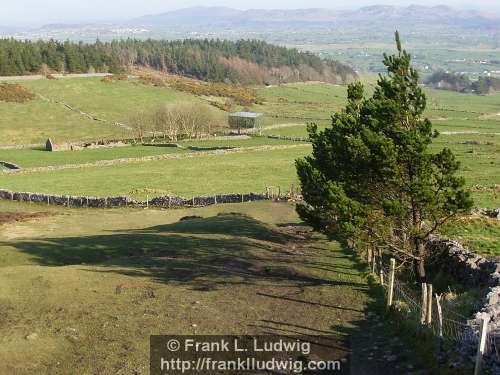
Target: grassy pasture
column 479, row 155
column 35, row 121
column 224, row 173
column 27, row 158
column 97, row 283
column 147, row 273
column 480, row 234
column 114, row 101
column 455, row 115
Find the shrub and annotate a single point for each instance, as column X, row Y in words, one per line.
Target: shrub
column 114, row 77
column 242, row 95
column 15, row 93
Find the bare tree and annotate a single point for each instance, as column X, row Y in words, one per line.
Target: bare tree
column 141, row 123
column 190, row 120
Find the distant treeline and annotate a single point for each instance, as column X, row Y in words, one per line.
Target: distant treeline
column 462, row 83
column 245, row 61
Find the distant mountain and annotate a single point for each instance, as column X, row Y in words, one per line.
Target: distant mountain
column 391, row 16
column 341, row 35
column 189, row 17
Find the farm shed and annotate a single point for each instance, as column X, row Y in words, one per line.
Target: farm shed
column 245, row 120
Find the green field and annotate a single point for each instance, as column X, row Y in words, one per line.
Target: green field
column 35, row 121
column 204, row 175
column 35, row 157
column 469, row 125
column 85, row 288
column 479, row 234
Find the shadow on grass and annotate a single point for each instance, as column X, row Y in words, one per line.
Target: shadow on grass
column 205, row 253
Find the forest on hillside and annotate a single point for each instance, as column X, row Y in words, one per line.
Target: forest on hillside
column 461, row 83
column 244, row 61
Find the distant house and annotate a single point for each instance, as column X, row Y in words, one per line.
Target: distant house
column 245, row 120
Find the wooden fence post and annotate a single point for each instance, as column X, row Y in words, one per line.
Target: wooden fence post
column 482, row 345
column 381, row 267
column 429, row 304
column 390, row 288
column 374, row 261
column 423, row 312
column 440, row 315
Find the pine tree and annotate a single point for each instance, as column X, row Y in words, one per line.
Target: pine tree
column 371, row 178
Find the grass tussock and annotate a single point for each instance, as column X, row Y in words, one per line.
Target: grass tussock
column 15, row 93
column 114, row 78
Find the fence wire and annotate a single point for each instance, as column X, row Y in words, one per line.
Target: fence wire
column 449, row 325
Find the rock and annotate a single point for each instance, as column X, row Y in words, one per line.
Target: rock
column 32, row 336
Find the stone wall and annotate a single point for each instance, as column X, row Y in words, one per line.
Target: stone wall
column 492, row 213
column 9, row 165
column 109, row 202
column 286, row 138
column 475, row 271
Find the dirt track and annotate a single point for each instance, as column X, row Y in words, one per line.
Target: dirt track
column 10, row 217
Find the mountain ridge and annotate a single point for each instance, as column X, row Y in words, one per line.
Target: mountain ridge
column 228, row 16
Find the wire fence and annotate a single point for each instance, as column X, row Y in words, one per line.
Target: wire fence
column 429, row 312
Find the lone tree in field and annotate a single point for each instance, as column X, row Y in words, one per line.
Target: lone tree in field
column 372, row 179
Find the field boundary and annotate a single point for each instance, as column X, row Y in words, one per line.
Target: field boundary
column 111, row 162
column 84, row 114
column 286, row 138
column 36, row 77
column 432, row 314
column 124, row 201
column 9, row 165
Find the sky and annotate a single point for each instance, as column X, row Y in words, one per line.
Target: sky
column 39, row 12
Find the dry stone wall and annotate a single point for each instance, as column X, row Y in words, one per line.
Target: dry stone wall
column 286, row 138
column 109, row 202
column 9, row 165
column 492, row 213
column 474, row 270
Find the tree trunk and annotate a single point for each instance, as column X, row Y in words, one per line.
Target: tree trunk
column 419, row 247
column 420, row 262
